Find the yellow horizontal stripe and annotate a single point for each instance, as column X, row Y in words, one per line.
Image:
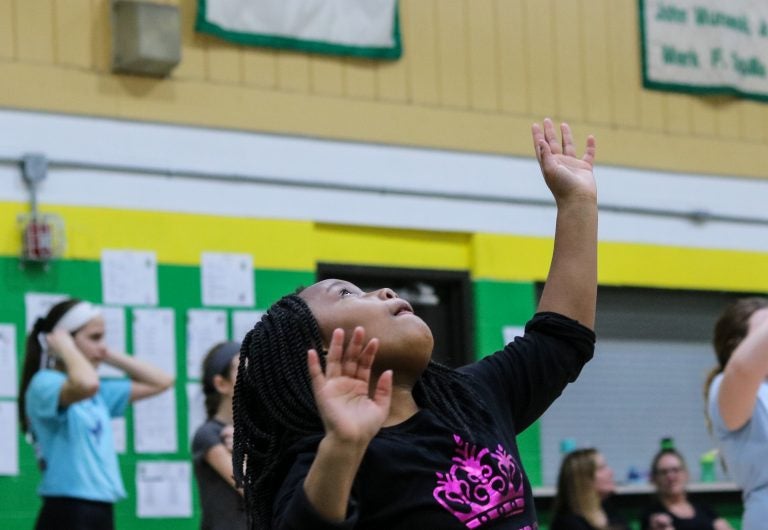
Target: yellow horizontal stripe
column 296, row 245
column 177, row 238
column 515, row 258
column 391, row 247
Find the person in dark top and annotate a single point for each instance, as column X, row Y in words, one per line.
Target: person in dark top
column 221, row 502
column 585, row 490
column 671, row 510
column 343, row 421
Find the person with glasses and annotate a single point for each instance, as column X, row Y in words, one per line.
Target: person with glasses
column 671, row 509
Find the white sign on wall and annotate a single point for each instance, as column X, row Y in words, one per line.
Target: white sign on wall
column 706, row 46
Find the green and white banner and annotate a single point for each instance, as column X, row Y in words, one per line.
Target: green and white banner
column 706, row 46
column 361, row 28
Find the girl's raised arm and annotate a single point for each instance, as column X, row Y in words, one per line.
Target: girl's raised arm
column 571, row 286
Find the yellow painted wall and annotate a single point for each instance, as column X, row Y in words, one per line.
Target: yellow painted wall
column 179, row 239
column 474, row 74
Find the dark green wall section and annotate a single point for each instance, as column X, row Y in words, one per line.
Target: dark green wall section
column 499, row 304
column 179, row 289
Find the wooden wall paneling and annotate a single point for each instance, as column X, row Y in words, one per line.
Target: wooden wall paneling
column 193, row 58
column 703, row 115
column 452, row 52
column 513, row 40
column 597, row 72
column 420, row 35
column 483, row 55
column 570, row 61
column 260, row 67
column 753, row 117
column 224, row 61
column 34, row 30
column 624, row 53
column 292, row 71
column 729, row 118
column 7, row 30
column 326, row 75
column 359, row 77
column 72, row 32
column 101, row 36
column 540, row 74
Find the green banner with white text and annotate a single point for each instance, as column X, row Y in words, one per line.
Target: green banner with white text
column 706, row 46
column 358, row 28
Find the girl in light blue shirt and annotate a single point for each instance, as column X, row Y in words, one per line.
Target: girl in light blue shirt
column 737, row 402
column 67, row 409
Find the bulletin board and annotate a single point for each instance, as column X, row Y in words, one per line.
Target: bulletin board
column 178, row 290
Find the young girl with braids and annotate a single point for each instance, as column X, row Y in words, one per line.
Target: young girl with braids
column 67, row 409
column 342, row 421
column 220, row 500
column 737, row 402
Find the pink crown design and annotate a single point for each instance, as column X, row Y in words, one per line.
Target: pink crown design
column 481, row 486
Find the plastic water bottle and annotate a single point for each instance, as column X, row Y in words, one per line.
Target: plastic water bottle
column 567, row 445
column 707, row 466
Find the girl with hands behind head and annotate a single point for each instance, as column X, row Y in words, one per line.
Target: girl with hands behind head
column 221, row 502
column 343, row 421
column 67, row 409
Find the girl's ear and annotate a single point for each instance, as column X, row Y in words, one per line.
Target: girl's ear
column 221, row 384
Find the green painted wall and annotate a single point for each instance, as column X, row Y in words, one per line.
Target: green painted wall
column 179, row 289
column 499, row 304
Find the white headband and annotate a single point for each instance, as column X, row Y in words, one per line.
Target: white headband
column 78, row 316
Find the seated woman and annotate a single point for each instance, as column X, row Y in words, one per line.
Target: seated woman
column 584, row 488
column 672, row 510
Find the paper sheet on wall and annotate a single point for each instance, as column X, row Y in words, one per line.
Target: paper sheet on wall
column 8, row 373
column 129, row 277
column 227, row 279
column 114, row 335
column 154, row 338
column 510, row 332
column 164, row 489
column 154, row 424
column 38, row 304
column 196, row 414
column 119, row 435
column 243, row 322
column 9, row 438
column 205, row 329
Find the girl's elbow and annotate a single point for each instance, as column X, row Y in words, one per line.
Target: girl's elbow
column 88, row 388
column 167, row 382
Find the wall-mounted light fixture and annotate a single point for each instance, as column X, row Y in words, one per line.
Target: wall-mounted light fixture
column 146, row 38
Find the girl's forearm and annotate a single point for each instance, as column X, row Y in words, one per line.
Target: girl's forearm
column 140, row 371
column 329, row 482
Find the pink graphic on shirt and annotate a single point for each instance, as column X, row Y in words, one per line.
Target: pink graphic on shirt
column 481, row 486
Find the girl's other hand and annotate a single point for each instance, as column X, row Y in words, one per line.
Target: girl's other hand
column 348, row 411
column 59, row 340
column 227, row 437
column 566, row 175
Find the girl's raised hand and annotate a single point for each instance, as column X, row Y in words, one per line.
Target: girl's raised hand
column 348, row 412
column 58, row 340
column 566, row 175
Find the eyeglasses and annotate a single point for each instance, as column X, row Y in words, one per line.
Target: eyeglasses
column 669, row 471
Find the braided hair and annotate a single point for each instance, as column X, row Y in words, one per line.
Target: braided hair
column 274, row 405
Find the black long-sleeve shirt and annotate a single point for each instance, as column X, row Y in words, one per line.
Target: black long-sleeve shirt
column 421, row 474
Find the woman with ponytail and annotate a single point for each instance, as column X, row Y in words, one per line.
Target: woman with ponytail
column 737, row 402
column 66, row 409
column 220, row 500
column 343, row 421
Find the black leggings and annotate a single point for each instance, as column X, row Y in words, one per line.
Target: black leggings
column 68, row 513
